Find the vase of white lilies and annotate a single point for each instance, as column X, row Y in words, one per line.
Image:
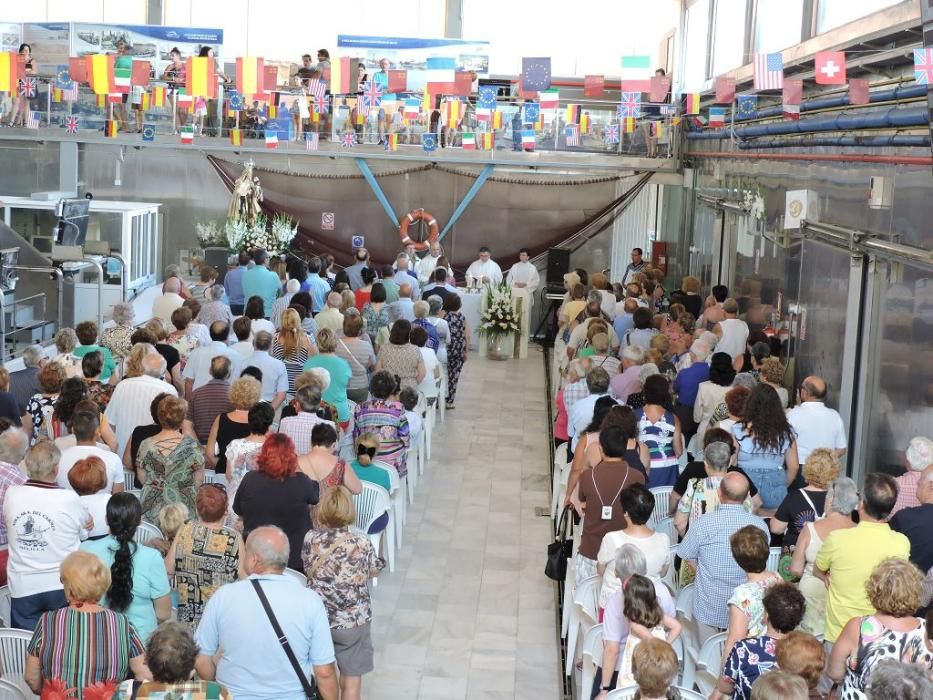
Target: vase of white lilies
column 499, row 322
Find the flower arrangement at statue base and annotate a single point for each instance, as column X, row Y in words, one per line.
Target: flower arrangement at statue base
column 274, row 238
column 499, row 322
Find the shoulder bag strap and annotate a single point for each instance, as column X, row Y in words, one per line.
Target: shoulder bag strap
column 816, row 513
column 310, row 689
column 352, row 356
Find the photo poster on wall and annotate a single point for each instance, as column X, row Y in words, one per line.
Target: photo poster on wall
column 10, row 36
column 411, row 55
column 53, row 42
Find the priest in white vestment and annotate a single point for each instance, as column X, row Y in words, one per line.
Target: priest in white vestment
column 483, row 271
column 425, row 266
column 524, row 275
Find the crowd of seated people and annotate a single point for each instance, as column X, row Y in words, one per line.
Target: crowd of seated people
column 155, row 484
column 712, row 500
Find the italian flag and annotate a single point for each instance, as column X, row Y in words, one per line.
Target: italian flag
column 469, row 142
column 187, row 136
column 550, row 99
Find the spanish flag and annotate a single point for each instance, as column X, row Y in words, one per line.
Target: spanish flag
column 315, row 116
column 101, row 101
column 236, row 135
column 584, row 123
column 272, row 111
column 100, row 73
column 56, row 94
column 657, row 129
column 201, row 77
column 539, row 124
column 11, row 70
column 453, row 113
column 497, row 119
column 145, row 101
column 693, row 103
column 629, row 125
column 487, row 140
column 573, row 114
column 249, row 75
column 360, row 119
column 158, row 96
column 391, row 142
column 110, row 129
column 342, row 73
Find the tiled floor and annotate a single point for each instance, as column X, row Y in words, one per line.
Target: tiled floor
column 468, row 613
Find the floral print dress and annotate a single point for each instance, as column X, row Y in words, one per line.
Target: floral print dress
column 456, row 352
column 749, row 659
column 169, row 465
column 205, row 559
column 241, row 459
column 338, row 564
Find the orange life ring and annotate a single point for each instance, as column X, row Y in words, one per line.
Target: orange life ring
column 409, row 219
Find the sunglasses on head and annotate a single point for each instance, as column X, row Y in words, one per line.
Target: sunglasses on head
column 363, row 450
column 216, row 485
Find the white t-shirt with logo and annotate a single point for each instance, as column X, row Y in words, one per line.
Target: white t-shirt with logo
column 44, row 524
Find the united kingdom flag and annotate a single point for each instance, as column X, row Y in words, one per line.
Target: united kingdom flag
column 29, row 87
column 348, row 140
column 372, row 97
column 630, row 105
column 71, row 125
column 612, row 133
column 923, row 66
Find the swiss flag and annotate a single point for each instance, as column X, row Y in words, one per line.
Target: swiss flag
column 830, row 68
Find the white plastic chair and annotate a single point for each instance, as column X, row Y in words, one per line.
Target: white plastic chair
column 672, row 576
column 774, row 559
column 136, row 492
column 370, row 504
column 592, row 654
column 629, row 693
column 442, row 395
column 585, row 612
column 666, row 525
column 146, row 532
column 13, row 645
column 297, row 575
column 662, row 502
column 561, row 477
column 5, row 602
column 397, row 496
column 411, row 480
column 212, row 477
column 425, row 412
column 10, row 691
column 128, row 481
column 709, row 663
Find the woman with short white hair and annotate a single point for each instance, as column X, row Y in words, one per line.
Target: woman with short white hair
column 917, row 457
column 117, row 338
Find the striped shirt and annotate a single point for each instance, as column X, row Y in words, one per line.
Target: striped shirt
column 360, row 356
column 387, row 419
column 206, row 404
column 659, row 437
column 299, row 428
column 83, row 648
column 10, row 475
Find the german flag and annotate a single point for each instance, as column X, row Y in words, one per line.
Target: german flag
column 573, row 114
column 11, row 70
column 100, row 73
column 236, row 136
column 453, row 113
column 249, row 75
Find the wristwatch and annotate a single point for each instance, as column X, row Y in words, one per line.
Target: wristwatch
column 605, row 687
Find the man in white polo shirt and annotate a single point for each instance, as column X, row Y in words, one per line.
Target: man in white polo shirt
column 815, row 424
column 85, row 422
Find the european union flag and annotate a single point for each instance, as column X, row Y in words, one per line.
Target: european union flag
column 149, row 132
column 536, row 74
column 429, row 142
column 235, row 101
column 63, row 79
column 747, row 106
column 486, row 98
column 532, row 111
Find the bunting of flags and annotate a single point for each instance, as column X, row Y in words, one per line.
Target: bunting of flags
column 145, row 101
column 110, row 129
column 530, row 112
column 747, row 106
column 348, row 140
column 412, row 110
column 158, row 96
column 201, row 77
column 56, row 94
column 858, row 91
column 341, row 75
column 487, row 140
column 549, row 99
column 830, row 68
column 33, row 119
column 497, row 119
column 454, row 115
column 792, row 96
column 629, row 123
column 149, row 132
column 429, row 142
column 923, row 66
column 573, row 114
column 593, row 85
column 725, row 90
column 29, row 87
column 584, row 123
column 372, row 97
column 630, row 105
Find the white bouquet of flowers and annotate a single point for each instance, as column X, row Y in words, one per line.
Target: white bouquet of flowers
column 210, row 235
column 283, row 232
column 753, row 203
column 499, row 317
column 236, row 234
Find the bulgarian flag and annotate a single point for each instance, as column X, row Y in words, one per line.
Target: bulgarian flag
column 11, row 70
column 158, row 96
column 693, row 103
column 497, row 119
column 187, row 136
column 549, row 99
column 487, row 140
column 236, row 137
column 100, row 73
column 122, row 78
column 249, row 75
column 201, row 77
column 469, row 142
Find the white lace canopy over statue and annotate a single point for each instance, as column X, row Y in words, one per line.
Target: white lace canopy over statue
column 247, row 195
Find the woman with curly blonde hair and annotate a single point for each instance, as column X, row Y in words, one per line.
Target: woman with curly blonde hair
column 771, row 372
column 806, row 505
column 892, row 632
column 244, row 393
column 293, row 346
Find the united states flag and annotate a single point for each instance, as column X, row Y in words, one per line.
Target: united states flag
column 317, row 88
column 312, row 139
column 572, row 133
column 32, row 119
column 70, row 94
column 769, row 71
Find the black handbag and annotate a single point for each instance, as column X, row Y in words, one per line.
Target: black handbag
column 307, row 684
column 560, row 550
